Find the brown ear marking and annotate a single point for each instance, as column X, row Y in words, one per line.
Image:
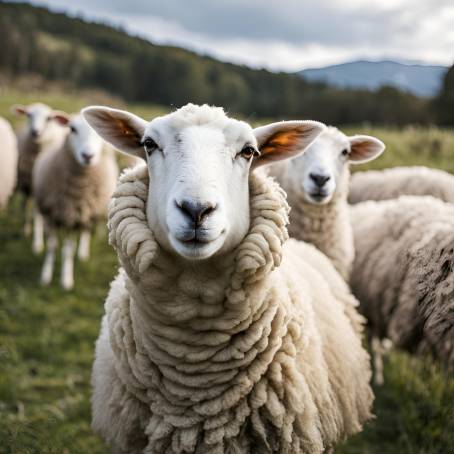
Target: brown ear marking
column 124, row 129
column 285, row 140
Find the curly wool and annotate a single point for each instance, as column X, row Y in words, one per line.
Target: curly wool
column 72, row 196
column 404, row 272
column 8, row 167
column 326, row 226
column 392, row 183
column 253, row 354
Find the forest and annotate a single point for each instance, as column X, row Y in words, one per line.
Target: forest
column 94, row 55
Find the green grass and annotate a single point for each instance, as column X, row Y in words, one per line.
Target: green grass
column 46, row 350
column 47, row 335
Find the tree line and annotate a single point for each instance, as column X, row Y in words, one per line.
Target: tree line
column 87, row 54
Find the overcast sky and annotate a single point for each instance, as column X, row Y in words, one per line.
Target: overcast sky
column 287, row 34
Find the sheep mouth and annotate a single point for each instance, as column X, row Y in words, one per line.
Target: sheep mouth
column 319, row 197
column 196, row 237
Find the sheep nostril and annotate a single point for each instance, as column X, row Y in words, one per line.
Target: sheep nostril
column 87, row 157
column 34, row 133
column 196, row 211
column 319, row 180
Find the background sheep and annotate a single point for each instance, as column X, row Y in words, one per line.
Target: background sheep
column 403, row 272
column 40, row 133
column 72, row 186
column 210, row 342
column 316, row 184
column 8, row 158
column 392, row 183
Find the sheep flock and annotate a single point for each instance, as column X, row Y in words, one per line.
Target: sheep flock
column 253, row 270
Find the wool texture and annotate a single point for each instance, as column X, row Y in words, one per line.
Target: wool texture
column 8, row 167
column 326, row 226
column 258, row 352
column 403, row 272
column 70, row 195
column 392, row 183
column 29, row 150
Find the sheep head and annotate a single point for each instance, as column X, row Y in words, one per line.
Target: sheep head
column 199, row 161
column 40, row 120
column 320, row 171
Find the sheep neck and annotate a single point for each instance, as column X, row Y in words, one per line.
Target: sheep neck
column 325, row 226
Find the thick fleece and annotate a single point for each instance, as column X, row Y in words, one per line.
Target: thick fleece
column 259, row 352
column 392, row 183
column 29, row 150
column 404, row 272
column 72, row 196
column 8, row 159
column 326, row 226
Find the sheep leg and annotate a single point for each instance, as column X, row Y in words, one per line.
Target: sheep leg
column 38, row 232
column 28, row 209
column 83, row 252
column 67, row 267
column 377, row 353
column 49, row 261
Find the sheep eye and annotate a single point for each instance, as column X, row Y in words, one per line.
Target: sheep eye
column 344, row 152
column 149, row 145
column 73, row 129
column 248, row 152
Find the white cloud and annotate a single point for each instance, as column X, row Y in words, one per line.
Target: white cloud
column 288, row 34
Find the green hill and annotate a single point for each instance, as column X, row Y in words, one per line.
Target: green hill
column 94, row 55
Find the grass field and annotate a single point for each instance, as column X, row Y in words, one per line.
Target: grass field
column 47, row 335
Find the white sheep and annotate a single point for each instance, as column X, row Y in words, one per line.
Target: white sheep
column 8, row 166
column 403, row 272
column 41, row 133
column 392, row 183
column 72, row 187
column 316, row 184
column 219, row 336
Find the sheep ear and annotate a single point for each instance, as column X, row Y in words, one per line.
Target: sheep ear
column 121, row 129
column 19, row 109
column 62, row 118
column 364, row 149
column 284, row 140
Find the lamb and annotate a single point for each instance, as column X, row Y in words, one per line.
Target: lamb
column 8, row 155
column 316, row 184
column 392, row 183
column 403, row 272
column 219, row 335
column 72, row 187
column 40, row 134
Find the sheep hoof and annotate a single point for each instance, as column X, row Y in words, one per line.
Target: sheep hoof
column 67, row 284
column 38, row 248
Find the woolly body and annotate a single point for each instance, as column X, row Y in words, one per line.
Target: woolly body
column 248, row 355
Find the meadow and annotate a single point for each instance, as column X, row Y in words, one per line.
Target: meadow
column 47, row 335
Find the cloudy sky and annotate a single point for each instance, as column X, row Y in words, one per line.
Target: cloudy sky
column 286, row 34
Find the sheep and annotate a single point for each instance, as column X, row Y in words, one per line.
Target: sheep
column 40, row 134
column 392, row 183
column 403, row 272
column 316, row 184
column 8, row 156
column 219, row 335
column 72, row 187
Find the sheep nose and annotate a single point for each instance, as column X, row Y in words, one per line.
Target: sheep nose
column 196, row 211
column 34, row 132
column 87, row 157
column 318, row 179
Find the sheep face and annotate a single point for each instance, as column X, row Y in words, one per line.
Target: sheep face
column 319, row 172
column 199, row 162
column 85, row 144
column 40, row 122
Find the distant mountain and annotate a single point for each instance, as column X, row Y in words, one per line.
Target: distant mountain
column 421, row 80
